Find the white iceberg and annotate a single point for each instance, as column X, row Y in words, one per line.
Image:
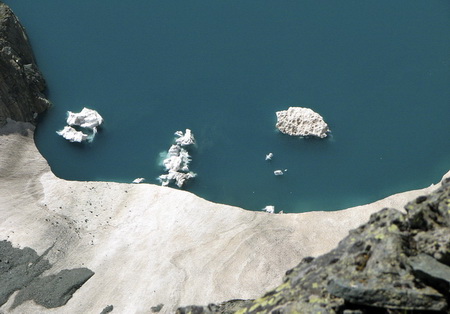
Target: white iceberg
column 87, row 118
column 185, row 139
column 138, row 180
column 178, row 177
column 300, row 121
column 278, row 172
column 73, row 135
column 269, row 208
column 177, row 160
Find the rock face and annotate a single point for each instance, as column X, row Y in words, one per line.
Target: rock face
column 299, row 121
column 21, row 83
column 396, row 261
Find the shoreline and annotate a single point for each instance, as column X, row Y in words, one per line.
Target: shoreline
column 150, row 245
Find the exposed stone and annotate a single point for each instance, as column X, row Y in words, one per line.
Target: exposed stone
column 21, row 83
column 299, row 121
column 380, row 265
column 107, row 309
column 21, row 270
column 157, row 308
column 431, row 271
column 54, row 290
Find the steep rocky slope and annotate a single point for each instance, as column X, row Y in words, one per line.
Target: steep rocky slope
column 21, row 83
column 395, row 261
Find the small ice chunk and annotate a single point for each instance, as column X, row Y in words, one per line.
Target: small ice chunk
column 178, row 177
column 278, row 172
column 73, row 135
column 269, row 208
column 138, row 180
column 87, row 118
column 185, row 139
column 269, row 156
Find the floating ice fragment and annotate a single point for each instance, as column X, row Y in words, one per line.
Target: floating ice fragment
column 269, row 156
column 138, row 180
column 73, row 135
column 300, row 121
column 87, row 118
column 177, row 160
column 278, row 172
column 178, row 177
column 269, row 208
column 185, row 139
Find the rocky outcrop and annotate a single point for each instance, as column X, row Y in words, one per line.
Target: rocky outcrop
column 396, row 261
column 21, row 269
column 299, row 121
column 21, row 83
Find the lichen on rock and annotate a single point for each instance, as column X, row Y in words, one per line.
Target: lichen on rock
column 396, row 261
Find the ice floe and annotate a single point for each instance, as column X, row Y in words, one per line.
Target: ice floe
column 269, row 208
column 85, row 123
column 86, row 118
column 300, row 121
column 177, row 159
column 72, row 135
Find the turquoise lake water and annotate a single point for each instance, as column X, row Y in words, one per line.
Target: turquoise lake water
column 377, row 71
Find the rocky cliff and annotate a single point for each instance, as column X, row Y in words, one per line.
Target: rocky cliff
column 21, row 83
column 97, row 247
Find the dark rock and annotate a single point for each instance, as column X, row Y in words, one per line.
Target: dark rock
column 395, row 263
column 107, row 309
column 18, row 268
column 156, row 309
column 54, row 290
column 21, row 270
column 223, row 308
column 21, row 83
column 431, row 271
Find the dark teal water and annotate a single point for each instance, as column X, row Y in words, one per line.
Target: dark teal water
column 377, row 71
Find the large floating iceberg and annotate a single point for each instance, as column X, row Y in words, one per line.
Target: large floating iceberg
column 87, row 121
column 87, row 118
column 300, row 121
column 177, row 160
